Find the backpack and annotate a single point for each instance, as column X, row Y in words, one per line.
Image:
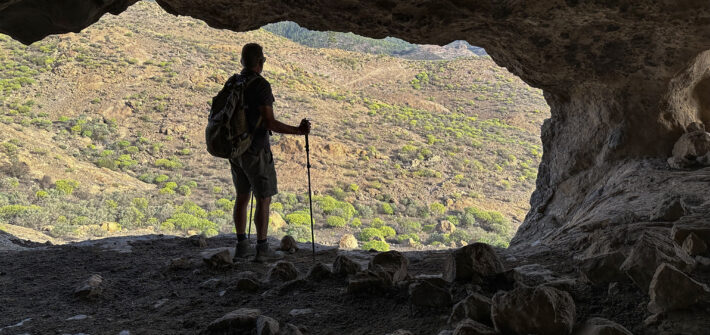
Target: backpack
column 228, row 134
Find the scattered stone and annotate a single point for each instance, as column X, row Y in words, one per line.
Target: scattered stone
column 533, row 310
column 266, row 326
column 319, row 272
column 601, row 326
column 78, row 317
column 391, row 263
column 283, row 271
column 242, row 320
column 345, row 266
column 693, row 245
column 180, row 263
column 472, row 262
column 348, row 241
column 199, row 240
column 298, row 312
column 470, row 327
column 288, row 244
column 218, row 258
column 476, row 307
column 211, row 283
column 401, row 332
column 290, row 329
column 429, row 293
column 90, row 288
column 671, row 289
column 445, row 227
column 368, row 282
column 247, row 285
column 669, row 210
column 602, row 269
column 650, row 251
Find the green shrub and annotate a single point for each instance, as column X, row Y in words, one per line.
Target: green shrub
column 277, row 206
column 330, row 205
column 404, row 237
column 437, row 209
column 411, row 227
column 167, row 226
column 106, row 162
column 299, row 233
column 354, row 187
column 184, row 190
column 66, row 186
column 356, row 222
column 216, row 190
column 140, row 203
column 387, row 231
column 185, row 221
column 225, row 204
column 41, row 194
column 369, row 233
column 386, row 208
column 12, row 211
column 300, row 218
column 377, row 245
column 377, row 223
column 335, row 221
column 170, row 164
column 161, row 178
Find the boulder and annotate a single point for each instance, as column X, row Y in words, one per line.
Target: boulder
column 392, row 263
column 429, row 293
column 471, row 327
column 669, row 210
column 472, row 262
column 90, row 288
column 283, row 271
column 445, row 227
column 276, row 222
column 348, row 241
column 694, row 245
column 671, row 289
column 601, row 326
column 603, row 269
column 247, row 285
column 680, row 231
column 319, row 272
column 218, row 258
column 475, row 307
column 368, row 281
column 692, row 145
column 199, row 240
column 288, row 244
column 345, row 266
column 651, row 250
column 266, row 326
column 240, row 321
column 533, row 310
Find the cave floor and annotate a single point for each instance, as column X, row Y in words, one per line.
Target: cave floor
column 142, row 295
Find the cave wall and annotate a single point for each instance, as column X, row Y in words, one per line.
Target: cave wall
column 623, row 78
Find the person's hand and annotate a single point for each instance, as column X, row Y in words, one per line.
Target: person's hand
column 305, row 127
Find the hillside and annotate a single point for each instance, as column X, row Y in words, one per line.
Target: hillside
column 101, row 134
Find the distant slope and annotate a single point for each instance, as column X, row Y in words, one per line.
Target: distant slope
column 388, row 46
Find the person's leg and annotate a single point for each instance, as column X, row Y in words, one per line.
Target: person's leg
column 240, row 213
column 262, row 218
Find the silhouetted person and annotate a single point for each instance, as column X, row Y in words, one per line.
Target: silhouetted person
column 254, row 171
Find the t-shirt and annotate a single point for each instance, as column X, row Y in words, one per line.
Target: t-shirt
column 258, row 93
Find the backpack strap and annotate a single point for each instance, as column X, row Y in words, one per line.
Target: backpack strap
column 249, row 81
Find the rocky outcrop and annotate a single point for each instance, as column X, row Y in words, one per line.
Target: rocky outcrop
column 671, row 289
column 533, row 310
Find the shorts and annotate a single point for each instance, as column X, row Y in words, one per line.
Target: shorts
column 254, row 171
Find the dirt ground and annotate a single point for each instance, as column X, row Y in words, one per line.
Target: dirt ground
column 143, row 296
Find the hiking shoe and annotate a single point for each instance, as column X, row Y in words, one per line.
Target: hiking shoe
column 265, row 254
column 244, row 249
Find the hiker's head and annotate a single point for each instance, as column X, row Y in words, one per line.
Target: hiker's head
column 253, row 57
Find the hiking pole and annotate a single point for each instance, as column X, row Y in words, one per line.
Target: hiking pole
column 251, row 207
column 310, row 200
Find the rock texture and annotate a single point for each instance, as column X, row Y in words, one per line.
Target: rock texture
column 472, row 262
column 533, row 310
column 671, row 289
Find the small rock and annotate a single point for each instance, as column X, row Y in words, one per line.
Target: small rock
column 290, row 329
column 288, row 244
column 319, row 272
column 600, row 326
column 650, row 251
column 211, row 283
column 428, row 293
column 239, row 321
column 247, row 285
column 602, row 269
column 283, row 271
column 180, row 263
column 445, row 227
column 470, row 327
column 693, row 245
column 476, row 307
column 298, row 312
column 266, row 326
column 391, row 263
column 669, row 210
column 199, row 240
column 533, row 310
column 218, row 258
column 345, row 266
column 671, row 289
column 348, row 241
column 77, row 317
column 90, row 288
column 368, row 282
column 472, row 262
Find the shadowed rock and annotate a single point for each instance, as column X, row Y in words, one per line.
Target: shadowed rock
column 671, row 289
column 472, row 262
column 471, row 327
column 240, row 321
column 533, row 310
column 475, row 307
column 391, row 263
column 90, row 288
column 343, row 266
column 601, row 326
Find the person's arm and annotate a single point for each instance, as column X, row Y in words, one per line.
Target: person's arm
column 270, row 123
